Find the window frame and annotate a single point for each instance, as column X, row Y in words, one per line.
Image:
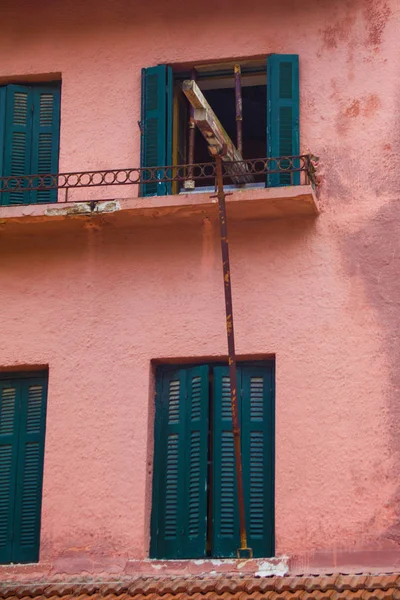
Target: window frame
column 283, row 115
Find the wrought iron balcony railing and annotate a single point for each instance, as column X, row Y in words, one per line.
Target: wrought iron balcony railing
column 285, row 170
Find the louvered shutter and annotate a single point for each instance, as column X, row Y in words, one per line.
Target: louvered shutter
column 256, row 413
column 45, row 139
column 156, row 125
column 10, row 397
column 28, row 498
column 179, row 513
column 283, row 104
column 225, row 516
column 18, row 139
column 196, row 467
column 2, row 129
column 257, row 427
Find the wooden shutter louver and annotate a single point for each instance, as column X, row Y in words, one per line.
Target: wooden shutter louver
column 31, row 139
column 156, row 125
column 225, row 510
column 22, row 432
column 256, row 413
column 179, row 515
column 195, row 527
column 3, row 96
column 179, row 522
column 18, row 140
column 30, row 470
column 45, row 139
column 257, row 420
column 283, row 104
column 9, row 403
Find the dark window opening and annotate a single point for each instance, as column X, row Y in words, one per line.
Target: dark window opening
column 222, row 101
column 254, row 125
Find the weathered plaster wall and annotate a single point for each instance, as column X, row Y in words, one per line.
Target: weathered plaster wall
column 99, row 303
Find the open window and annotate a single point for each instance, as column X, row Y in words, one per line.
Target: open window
column 270, row 116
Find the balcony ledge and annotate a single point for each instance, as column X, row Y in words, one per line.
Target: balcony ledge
column 247, row 204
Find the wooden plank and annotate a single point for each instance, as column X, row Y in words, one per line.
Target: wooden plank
column 214, row 133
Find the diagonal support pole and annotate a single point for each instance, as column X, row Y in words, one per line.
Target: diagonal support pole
column 243, row 551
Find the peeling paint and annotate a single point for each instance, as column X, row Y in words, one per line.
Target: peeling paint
column 83, row 208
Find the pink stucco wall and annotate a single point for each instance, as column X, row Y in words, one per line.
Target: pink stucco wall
column 97, row 301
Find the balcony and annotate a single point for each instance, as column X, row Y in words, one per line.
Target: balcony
column 178, row 191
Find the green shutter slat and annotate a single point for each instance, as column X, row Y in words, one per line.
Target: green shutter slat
column 45, row 138
column 179, row 522
column 283, row 106
column 18, row 139
column 2, row 129
column 169, row 466
column 257, row 420
column 225, row 530
column 196, row 469
column 10, row 396
column 156, row 124
column 28, row 499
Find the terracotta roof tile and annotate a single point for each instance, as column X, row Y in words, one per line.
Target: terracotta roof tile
column 307, row 587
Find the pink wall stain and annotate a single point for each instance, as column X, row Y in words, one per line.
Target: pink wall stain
column 99, row 304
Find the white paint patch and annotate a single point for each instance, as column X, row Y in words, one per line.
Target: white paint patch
column 277, row 567
column 79, row 208
column 83, row 208
column 107, row 207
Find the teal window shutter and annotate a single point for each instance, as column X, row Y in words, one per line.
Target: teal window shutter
column 258, row 456
column 22, row 433
column 28, row 499
column 225, row 516
column 17, row 139
column 10, row 399
column 31, row 138
column 283, row 106
column 45, row 138
column 156, row 125
column 179, row 514
column 2, row 126
column 256, row 413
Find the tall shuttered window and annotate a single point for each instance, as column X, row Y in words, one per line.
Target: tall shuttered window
column 270, row 100
column 29, row 138
column 22, row 432
column 195, row 512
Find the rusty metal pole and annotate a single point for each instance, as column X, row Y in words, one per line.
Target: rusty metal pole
column 239, row 108
column 232, row 356
column 189, row 183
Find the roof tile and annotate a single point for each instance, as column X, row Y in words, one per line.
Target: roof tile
column 307, row 587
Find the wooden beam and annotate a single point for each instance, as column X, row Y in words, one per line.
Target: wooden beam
column 214, row 134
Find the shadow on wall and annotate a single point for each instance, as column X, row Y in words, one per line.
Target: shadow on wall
column 373, row 254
